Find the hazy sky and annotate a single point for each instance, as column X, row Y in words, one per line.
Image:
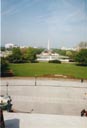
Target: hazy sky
column 33, row 22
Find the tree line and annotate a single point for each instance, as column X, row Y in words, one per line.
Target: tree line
column 28, row 55
column 24, row 55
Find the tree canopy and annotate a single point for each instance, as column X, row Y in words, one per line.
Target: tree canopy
column 31, row 54
column 4, row 66
column 24, row 55
column 16, row 56
column 81, row 57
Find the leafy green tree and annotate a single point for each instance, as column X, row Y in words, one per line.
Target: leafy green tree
column 31, row 54
column 69, row 53
column 81, row 57
column 4, row 66
column 24, row 52
column 59, row 51
column 23, row 55
column 16, row 56
column 2, row 48
column 38, row 50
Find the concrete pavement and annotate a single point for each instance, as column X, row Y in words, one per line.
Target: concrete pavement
column 20, row 120
column 63, row 97
column 43, row 82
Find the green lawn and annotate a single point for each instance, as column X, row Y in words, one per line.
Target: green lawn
column 40, row 69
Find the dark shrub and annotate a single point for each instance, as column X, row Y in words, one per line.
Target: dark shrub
column 34, row 61
column 4, row 68
column 55, row 61
column 71, row 60
column 8, row 73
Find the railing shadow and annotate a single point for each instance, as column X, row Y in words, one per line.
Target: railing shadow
column 12, row 123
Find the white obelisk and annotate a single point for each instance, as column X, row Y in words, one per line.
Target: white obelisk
column 48, row 45
column 49, row 52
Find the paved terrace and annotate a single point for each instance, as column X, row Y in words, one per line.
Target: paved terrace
column 19, row 120
column 49, row 96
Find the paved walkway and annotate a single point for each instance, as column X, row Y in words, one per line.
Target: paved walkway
column 62, row 97
column 19, row 120
column 43, row 82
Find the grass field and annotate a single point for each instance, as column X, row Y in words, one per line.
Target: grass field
column 41, row 69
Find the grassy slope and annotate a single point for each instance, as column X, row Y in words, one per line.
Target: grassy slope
column 40, row 69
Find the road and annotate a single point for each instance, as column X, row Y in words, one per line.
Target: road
column 49, row 96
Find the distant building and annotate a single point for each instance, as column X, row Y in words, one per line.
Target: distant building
column 48, row 54
column 10, row 45
column 5, row 53
column 23, row 46
column 65, row 48
column 81, row 45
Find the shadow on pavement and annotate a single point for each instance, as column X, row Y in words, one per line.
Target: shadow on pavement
column 13, row 123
